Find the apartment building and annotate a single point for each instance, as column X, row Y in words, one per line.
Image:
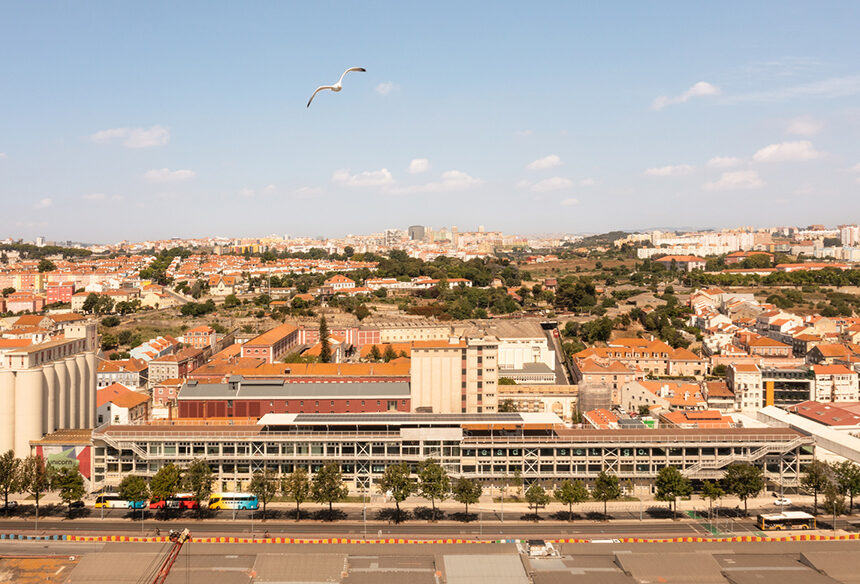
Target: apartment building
column 132, row 373
column 835, row 383
column 744, row 381
column 176, row 366
column 201, row 337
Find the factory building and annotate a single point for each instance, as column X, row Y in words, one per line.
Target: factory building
column 46, row 387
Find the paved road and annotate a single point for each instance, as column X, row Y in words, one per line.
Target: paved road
column 375, row 529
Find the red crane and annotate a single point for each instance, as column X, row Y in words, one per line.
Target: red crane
column 178, row 538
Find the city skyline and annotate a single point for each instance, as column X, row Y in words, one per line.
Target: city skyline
column 183, row 122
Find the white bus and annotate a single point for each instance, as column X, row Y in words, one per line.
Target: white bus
column 113, row 501
column 785, row 520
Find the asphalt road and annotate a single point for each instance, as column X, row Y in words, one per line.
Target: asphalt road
column 416, row 529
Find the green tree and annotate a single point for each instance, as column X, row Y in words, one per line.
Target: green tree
column 396, row 482
column 433, row 482
column 325, row 348
column 165, row 484
column 468, row 492
column 671, row 484
column 389, row 354
column 110, row 321
column 744, row 481
column 816, row 478
column 537, row 497
column 69, row 483
column 570, row 492
column 109, row 342
column 848, row 479
column 35, row 478
column 231, row 300
column 711, row 492
column 506, row 381
column 719, row 370
column 90, row 303
column 7, row 291
column 46, row 266
column 606, row 488
column 375, row 354
column 328, row 487
column 507, row 405
column 298, row 487
column 517, row 482
column 834, row 501
column 10, row 476
column 264, row 484
column 134, row 488
column 361, row 312
column 198, row 479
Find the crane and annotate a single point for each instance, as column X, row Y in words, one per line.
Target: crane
column 178, row 538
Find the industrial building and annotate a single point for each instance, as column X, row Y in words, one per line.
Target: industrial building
column 489, row 447
column 46, row 387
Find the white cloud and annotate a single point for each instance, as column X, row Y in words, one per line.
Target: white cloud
column 452, row 180
column 569, row 202
column 700, row 89
column 725, row 162
column 555, row 183
column 829, row 88
column 3, row 155
column 523, row 133
column 587, row 182
column 419, row 165
column 162, row 175
column 385, row 88
column 736, row 180
column 43, row 204
column 134, row 137
column 546, row 162
column 368, row 178
column 856, row 167
column 269, row 189
column 787, row 152
column 804, row 126
column 676, row 170
column 246, row 192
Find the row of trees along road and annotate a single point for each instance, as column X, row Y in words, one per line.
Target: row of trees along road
column 197, row 478
column 32, row 476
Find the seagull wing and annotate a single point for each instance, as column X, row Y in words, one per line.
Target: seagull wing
column 320, row 88
column 359, row 69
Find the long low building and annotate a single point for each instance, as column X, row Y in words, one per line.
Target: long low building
column 489, row 447
column 252, row 398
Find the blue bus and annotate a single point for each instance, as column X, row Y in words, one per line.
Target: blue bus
column 234, row 501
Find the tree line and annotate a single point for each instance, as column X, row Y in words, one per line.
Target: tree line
column 31, row 475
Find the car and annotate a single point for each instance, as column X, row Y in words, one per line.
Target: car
column 782, row 502
column 76, row 505
column 11, row 505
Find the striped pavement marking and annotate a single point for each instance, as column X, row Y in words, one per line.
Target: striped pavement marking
column 402, row 541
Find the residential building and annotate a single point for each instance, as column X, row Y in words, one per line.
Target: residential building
column 132, row 373
column 59, row 292
column 222, row 285
column 166, row 392
column 835, row 383
column 665, row 395
column 201, row 337
column 176, row 366
column 685, row 263
column 117, row 404
column 745, row 382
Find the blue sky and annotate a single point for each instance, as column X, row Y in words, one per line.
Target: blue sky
column 159, row 119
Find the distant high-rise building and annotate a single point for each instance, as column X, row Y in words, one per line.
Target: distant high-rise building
column 417, row 233
column 40, row 241
column 850, row 235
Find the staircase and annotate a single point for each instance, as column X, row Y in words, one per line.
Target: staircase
column 719, row 463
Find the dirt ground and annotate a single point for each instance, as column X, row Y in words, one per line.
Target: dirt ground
column 33, row 570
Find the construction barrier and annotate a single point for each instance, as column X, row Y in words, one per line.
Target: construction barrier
column 288, row 540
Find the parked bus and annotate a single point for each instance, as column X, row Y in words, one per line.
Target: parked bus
column 785, row 520
column 180, row 501
column 233, row 501
column 113, row 501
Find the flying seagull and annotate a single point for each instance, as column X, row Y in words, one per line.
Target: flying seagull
column 337, row 86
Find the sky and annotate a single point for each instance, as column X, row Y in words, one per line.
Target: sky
column 151, row 120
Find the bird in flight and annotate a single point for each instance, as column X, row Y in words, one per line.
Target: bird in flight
column 337, row 86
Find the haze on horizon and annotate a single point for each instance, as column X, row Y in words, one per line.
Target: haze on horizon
column 146, row 121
